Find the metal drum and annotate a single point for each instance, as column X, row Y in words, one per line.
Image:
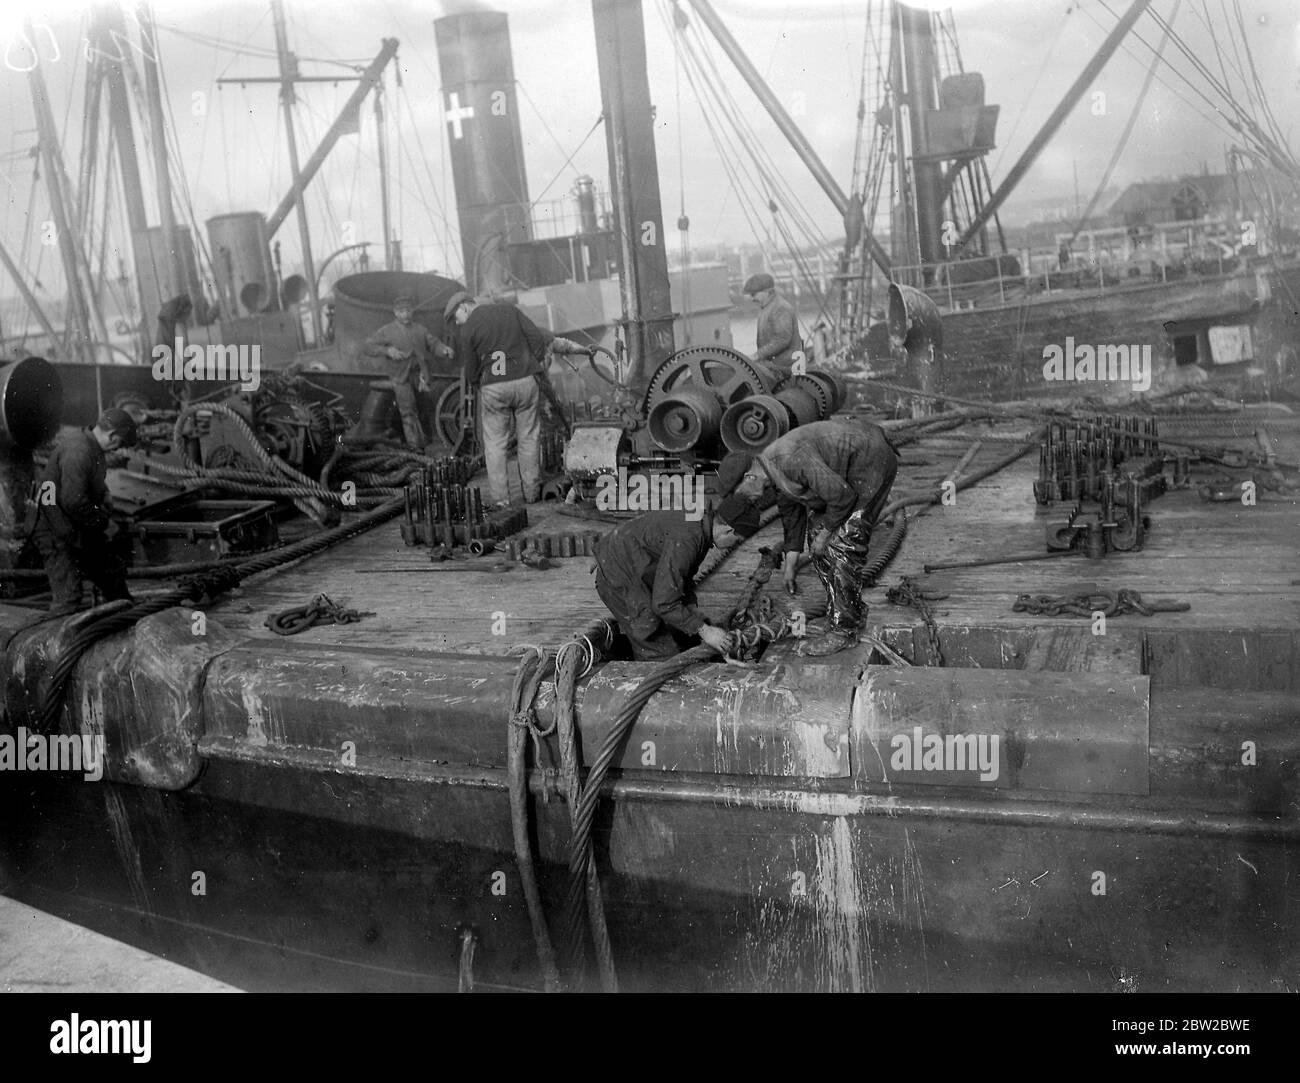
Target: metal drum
column 753, row 423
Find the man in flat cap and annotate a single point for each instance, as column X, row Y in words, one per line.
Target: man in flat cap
column 645, row 575
column 73, row 528
column 503, row 353
column 830, row 479
column 410, row 347
column 778, row 326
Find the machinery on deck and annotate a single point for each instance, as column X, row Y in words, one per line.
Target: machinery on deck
column 700, row 403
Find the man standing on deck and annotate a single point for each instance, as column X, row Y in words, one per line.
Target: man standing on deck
column 777, row 336
column 73, row 530
column 410, row 347
column 172, row 318
column 830, row 480
column 502, row 351
column 645, row 572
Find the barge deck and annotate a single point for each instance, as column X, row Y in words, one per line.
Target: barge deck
column 344, row 790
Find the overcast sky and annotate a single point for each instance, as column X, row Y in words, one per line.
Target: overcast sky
column 235, row 159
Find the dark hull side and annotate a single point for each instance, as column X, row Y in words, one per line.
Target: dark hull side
column 322, row 878
column 995, row 349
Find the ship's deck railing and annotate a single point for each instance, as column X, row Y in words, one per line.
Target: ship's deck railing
column 1102, row 276
column 1113, row 260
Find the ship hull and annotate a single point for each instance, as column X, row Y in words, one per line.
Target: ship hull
column 318, row 879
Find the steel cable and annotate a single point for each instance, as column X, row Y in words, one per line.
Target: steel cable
column 205, row 584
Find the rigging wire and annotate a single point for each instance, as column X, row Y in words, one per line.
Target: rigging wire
column 1031, row 94
column 771, row 182
column 1129, row 125
column 1244, row 123
column 1220, row 121
column 434, row 188
column 728, row 155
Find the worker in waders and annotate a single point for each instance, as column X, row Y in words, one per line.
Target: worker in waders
column 830, row 480
column 645, row 572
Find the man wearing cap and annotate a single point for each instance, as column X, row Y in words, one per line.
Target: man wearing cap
column 778, row 326
column 73, row 528
column 410, row 347
column 503, row 351
column 645, row 575
column 830, row 480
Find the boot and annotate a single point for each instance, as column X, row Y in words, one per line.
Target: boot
column 832, row 642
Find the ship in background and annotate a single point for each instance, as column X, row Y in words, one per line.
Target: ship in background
column 559, row 260
column 1202, row 269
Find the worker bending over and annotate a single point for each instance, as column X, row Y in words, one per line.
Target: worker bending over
column 502, row 351
column 73, row 530
column 830, row 480
column 645, row 572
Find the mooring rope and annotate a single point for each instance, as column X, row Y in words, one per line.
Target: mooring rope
column 207, row 584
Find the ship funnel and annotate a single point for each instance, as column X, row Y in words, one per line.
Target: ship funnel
column 914, row 326
column 31, row 402
column 481, row 117
column 241, row 259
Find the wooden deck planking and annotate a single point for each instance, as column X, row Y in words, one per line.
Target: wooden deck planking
column 1234, row 564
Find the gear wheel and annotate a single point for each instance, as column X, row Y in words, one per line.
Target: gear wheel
column 724, row 373
column 818, row 390
column 454, row 419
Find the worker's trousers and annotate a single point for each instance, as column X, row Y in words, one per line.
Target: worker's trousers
column 512, row 404
column 412, row 430
column 651, row 639
column 842, row 567
column 67, row 562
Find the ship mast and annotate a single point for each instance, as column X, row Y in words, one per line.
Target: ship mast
column 921, row 75
column 162, row 177
column 634, row 177
column 288, row 74
column 87, row 323
column 108, row 30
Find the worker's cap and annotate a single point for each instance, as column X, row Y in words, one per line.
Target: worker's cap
column 118, row 421
column 460, row 297
column 731, row 470
column 739, row 514
column 758, row 282
column 404, row 300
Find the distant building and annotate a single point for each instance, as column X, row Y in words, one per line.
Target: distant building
column 1184, row 200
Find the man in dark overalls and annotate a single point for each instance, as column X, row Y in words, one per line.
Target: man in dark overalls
column 646, row 570
column 830, row 480
column 410, row 347
column 73, row 530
